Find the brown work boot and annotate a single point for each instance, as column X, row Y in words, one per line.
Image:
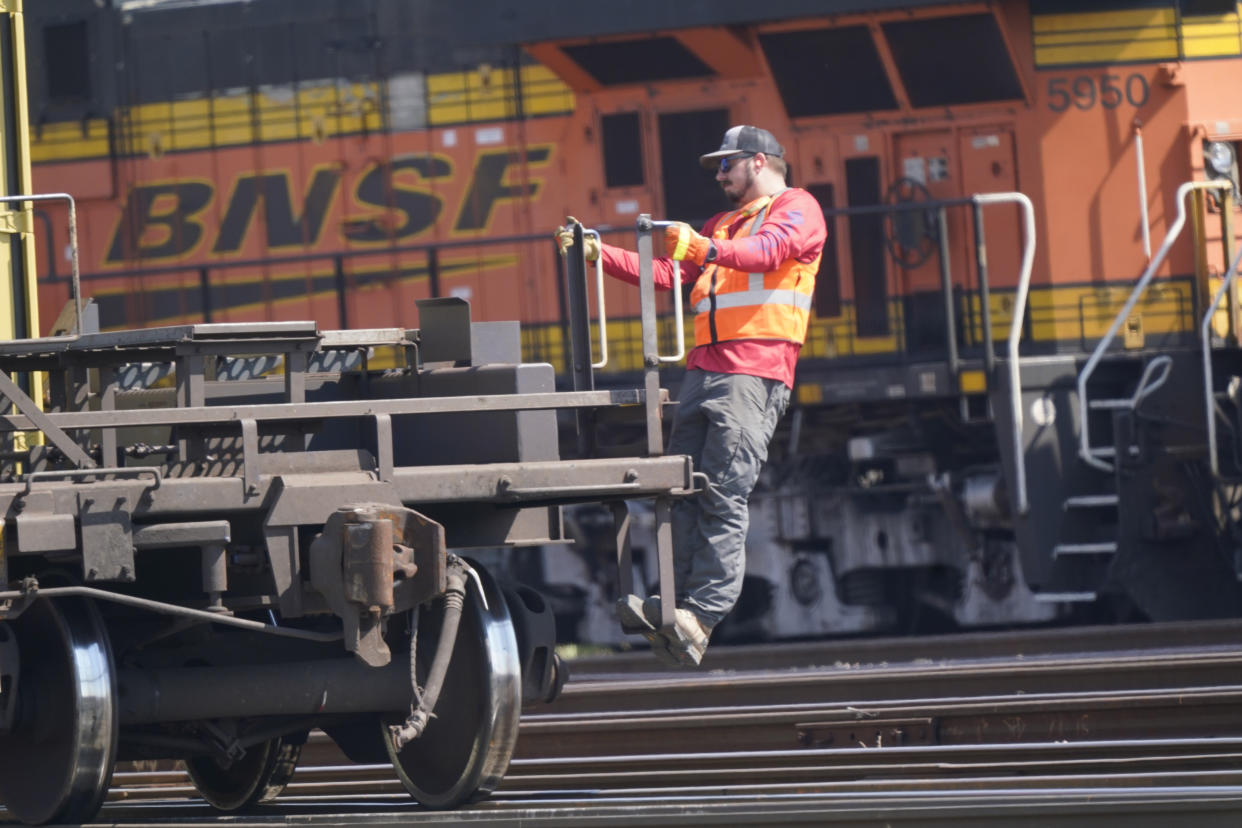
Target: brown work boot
column 630, row 612
column 690, row 633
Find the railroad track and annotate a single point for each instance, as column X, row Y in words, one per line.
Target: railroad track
column 1154, row 726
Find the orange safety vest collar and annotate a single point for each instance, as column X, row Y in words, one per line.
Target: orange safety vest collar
column 731, row 304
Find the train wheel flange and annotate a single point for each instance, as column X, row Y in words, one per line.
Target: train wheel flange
column 258, row 776
column 466, row 748
column 56, row 761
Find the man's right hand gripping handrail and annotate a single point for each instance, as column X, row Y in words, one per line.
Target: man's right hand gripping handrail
column 679, row 320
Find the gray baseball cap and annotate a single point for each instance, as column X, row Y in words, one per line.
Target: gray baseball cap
column 741, row 139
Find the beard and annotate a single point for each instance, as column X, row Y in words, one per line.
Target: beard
column 735, row 191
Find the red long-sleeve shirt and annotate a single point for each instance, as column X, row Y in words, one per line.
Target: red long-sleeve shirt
column 792, row 229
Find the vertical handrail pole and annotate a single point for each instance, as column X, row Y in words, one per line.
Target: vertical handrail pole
column 946, row 286
column 985, row 291
column 342, row 308
column 599, row 294
column 1205, row 327
column 1015, row 331
column 1142, row 188
column 679, row 317
column 204, row 293
column 651, row 356
column 579, row 313
column 433, row 272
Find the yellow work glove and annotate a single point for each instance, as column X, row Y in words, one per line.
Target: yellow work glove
column 681, row 242
column 565, row 240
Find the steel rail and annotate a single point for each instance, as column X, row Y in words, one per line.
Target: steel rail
column 951, row 677
column 1136, row 809
column 1027, row 643
column 1154, row 800
column 1014, row 719
column 1068, row 764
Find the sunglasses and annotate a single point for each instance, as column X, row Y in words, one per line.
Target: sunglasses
column 726, row 164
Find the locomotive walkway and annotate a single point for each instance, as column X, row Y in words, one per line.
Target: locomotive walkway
column 1141, row 725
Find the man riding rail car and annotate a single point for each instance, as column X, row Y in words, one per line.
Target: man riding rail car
column 753, row 270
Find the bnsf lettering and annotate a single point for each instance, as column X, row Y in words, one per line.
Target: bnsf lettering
column 159, row 221
column 162, row 220
column 489, row 185
column 282, row 227
column 383, row 186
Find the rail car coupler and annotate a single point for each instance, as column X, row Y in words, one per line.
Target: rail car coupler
column 373, row 560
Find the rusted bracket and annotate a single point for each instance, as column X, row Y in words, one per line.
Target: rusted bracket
column 250, row 455
column 17, row 222
column 383, row 446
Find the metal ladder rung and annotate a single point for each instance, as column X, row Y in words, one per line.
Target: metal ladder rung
column 1110, row 451
column 1111, row 404
column 1091, row 501
column 1065, row 597
column 1102, row 548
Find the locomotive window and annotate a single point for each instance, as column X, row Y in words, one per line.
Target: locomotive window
column 867, row 247
column 828, row 71
column 623, row 150
column 690, row 192
column 66, row 54
column 828, row 279
column 638, row 61
column 953, row 60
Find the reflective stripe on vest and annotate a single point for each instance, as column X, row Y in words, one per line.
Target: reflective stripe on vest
column 742, row 298
column 731, row 304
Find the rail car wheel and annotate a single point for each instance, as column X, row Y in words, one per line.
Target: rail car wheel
column 466, row 747
column 259, row 776
column 56, row 761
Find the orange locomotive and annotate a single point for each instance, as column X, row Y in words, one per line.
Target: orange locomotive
column 302, row 162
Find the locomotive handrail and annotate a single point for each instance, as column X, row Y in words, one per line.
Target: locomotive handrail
column 1175, row 230
column 1208, row 380
column 73, row 244
column 61, row 474
column 679, row 321
column 599, row 293
column 1015, row 330
column 328, row 409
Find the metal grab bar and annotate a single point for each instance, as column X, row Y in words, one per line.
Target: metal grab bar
column 1142, row 188
column 679, row 321
column 1084, row 440
column 599, row 293
column 1204, row 331
column 1015, row 329
column 73, row 247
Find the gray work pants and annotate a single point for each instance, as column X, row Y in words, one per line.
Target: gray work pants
column 724, row 422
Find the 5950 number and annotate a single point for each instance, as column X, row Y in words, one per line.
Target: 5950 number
column 1086, row 91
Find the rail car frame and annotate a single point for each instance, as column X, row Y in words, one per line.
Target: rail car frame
column 191, row 560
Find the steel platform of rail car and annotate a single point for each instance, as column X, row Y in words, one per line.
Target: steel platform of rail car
column 441, row 434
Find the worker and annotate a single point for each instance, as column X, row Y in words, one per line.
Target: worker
column 753, row 270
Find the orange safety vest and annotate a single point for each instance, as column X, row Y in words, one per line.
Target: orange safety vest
column 730, row 304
